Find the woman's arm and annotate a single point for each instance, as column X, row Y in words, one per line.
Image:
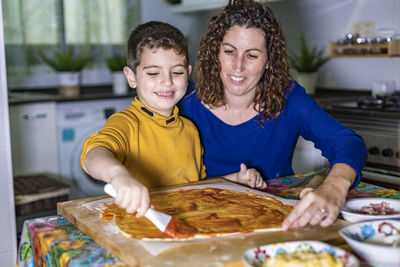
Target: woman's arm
column 323, row 205
column 336, row 142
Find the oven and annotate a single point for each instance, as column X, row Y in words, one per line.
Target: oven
column 377, row 121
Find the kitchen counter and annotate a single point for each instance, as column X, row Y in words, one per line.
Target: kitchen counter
column 46, row 95
column 56, row 241
column 324, row 97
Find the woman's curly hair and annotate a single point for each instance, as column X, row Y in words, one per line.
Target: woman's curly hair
column 274, row 83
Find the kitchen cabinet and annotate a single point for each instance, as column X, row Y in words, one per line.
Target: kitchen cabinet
column 307, row 158
column 390, row 49
column 33, row 138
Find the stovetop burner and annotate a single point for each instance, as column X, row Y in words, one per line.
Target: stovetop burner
column 386, row 103
column 391, row 103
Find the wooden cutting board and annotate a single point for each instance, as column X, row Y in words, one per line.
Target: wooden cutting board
column 208, row 252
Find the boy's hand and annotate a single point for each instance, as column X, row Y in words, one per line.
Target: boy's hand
column 131, row 194
column 250, row 177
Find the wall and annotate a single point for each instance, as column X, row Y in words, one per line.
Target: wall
column 321, row 21
column 8, row 246
column 192, row 24
column 324, row 21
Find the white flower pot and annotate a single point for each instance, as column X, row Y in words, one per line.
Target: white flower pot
column 119, row 83
column 308, row 80
column 68, row 84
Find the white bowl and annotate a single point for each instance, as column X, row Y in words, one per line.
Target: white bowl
column 255, row 256
column 353, row 205
column 370, row 240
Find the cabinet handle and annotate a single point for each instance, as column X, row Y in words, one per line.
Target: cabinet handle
column 34, row 116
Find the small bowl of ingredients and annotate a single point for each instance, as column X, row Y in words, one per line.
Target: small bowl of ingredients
column 299, row 254
column 378, row 242
column 368, row 209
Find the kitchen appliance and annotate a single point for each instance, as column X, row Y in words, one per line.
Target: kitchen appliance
column 33, row 130
column 377, row 121
column 76, row 121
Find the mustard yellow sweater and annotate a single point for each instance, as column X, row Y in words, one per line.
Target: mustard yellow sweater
column 158, row 151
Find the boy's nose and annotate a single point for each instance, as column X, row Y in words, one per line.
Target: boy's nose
column 166, row 80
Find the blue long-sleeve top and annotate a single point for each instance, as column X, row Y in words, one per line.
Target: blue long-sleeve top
column 269, row 147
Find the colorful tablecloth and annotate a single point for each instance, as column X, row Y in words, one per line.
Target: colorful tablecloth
column 54, row 241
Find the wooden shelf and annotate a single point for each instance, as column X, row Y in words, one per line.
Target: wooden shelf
column 391, row 49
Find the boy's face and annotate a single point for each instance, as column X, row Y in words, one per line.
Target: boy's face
column 160, row 80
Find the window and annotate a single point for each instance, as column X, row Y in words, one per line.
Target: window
column 94, row 28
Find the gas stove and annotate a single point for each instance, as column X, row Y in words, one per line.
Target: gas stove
column 382, row 104
column 377, row 121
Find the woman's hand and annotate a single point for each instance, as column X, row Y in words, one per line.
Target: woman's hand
column 131, row 194
column 323, row 205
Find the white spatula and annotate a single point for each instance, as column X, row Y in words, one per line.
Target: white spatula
column 164, row 222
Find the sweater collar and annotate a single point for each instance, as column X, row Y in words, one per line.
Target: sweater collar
column 160, row 119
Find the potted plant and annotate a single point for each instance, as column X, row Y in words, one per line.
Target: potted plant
column 307, row 63
column 68, row 67
column 116, row 64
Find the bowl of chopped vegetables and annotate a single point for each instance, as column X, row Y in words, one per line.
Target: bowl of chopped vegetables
column 299, row 254
column 378, row 241
column 368, row 209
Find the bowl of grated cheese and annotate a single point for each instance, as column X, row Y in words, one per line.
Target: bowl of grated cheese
column 299, row 254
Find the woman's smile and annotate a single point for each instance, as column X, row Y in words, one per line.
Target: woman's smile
column 237, row 78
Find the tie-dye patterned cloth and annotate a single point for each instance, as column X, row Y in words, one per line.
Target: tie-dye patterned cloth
column 291, row 186
column 54, row 241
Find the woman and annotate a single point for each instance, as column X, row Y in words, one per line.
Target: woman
column 249, row 110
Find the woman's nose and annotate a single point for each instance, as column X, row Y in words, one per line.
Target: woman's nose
column 238, row 64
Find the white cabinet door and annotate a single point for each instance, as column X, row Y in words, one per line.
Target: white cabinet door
column 307, row 158
column 34, row 138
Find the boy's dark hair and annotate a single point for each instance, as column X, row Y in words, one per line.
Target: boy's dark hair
column 154, row 34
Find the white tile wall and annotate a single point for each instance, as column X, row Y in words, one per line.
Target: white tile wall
column 324, row 21
column 192, row 24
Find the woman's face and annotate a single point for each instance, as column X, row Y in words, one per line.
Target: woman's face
column 242, row 56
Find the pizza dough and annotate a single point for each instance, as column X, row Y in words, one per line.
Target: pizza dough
column 213, row 212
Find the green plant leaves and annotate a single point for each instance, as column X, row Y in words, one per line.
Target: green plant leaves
column 309, row 60
column 116, row 63
column 64, row 61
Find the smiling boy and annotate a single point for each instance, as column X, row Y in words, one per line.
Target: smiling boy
column 148, row 145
